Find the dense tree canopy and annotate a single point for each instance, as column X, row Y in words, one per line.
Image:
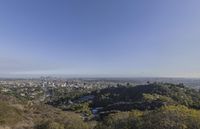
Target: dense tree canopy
column 168, row 117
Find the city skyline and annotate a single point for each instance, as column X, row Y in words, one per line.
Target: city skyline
column 100, row 38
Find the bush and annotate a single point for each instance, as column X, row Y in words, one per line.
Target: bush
column 50, row 125
column 169, row 117
column 9, row 115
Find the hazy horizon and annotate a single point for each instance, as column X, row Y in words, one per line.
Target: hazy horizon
column 95, row 76
column 103, row 38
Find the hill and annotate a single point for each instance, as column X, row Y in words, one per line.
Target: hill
column 15, row 114
column 146, row 97
column 152, row 106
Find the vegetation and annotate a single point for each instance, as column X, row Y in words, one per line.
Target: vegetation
column 9, row 115
column 168, row 117
column 146, row 97
column 37, row 116
column 152, row 106
column 80, row 108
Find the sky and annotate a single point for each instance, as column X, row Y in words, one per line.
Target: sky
column 108, row 38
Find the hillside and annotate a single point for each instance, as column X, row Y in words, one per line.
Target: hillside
column 145, row 97
column 15, row 114
column 152, row 106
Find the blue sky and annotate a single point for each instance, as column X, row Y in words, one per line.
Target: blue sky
column 119, row 38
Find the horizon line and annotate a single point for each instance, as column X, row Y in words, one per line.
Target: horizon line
column 25, row 76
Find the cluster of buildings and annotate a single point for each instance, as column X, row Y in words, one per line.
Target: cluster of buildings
column 43, row 87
